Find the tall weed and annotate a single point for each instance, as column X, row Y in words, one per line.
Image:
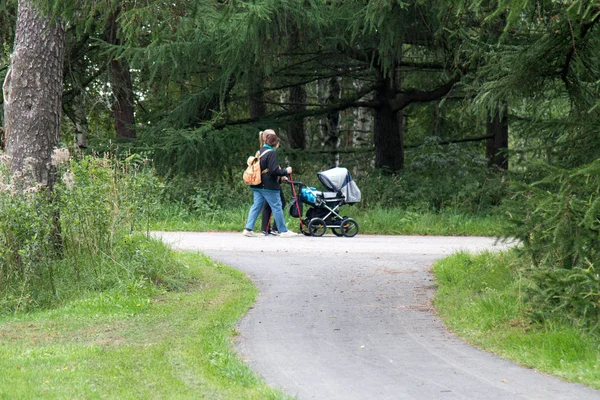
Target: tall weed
column 56, row 245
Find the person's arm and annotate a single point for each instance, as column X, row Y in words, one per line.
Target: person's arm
column 273, row 165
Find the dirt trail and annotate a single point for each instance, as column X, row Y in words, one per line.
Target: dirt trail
column 341, row 318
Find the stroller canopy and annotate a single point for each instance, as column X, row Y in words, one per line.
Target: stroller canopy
column 339, row 179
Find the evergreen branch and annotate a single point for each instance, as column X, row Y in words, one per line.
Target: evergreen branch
column 368, row 56
column 301, row 83
column 585, row 28
column 350, row 102
column 77, row 89
column 423, row 65
column 367, row 104
column 372, row 149
column 289, row 150
column 365, row 56
column 421, row 96
column 448, row 142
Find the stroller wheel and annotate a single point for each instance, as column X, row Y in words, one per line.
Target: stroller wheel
column 338, row 231
column 349, row 227
column 317, row 227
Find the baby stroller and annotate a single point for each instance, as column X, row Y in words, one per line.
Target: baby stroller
column 323, row 211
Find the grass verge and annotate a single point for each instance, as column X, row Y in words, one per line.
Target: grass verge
column 176, row 345
column 479, row 298
column 374, row 221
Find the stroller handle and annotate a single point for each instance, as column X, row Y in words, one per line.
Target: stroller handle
column 299, row 184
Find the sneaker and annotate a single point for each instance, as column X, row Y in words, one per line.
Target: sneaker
column 288, row 234
column 249, row 233
column 274, row 233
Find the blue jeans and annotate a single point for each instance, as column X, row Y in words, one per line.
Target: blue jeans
column 274, row 201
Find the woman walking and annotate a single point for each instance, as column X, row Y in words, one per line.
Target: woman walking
column 269, row 190
column 265, row 227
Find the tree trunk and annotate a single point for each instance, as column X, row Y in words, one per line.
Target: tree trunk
column 256, row 101
column 497, row 145
column 363, row 122
column 122, row 88
column 33, row 93
column 387, row 135
column 330, row 92
column 77, row 113
column 296, row 128
column 296, row 131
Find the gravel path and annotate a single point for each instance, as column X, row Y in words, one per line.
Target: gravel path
column 350, row 318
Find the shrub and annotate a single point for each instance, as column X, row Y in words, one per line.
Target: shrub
column 437, row 178
column 79, row 237
column 557, row 218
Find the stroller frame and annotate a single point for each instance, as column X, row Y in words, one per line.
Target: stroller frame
column 321, row 215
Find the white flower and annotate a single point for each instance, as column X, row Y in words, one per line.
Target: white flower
column 33, row 189
column 5, row 188
column 60, row 156
column 5, row 159
column 69, row 179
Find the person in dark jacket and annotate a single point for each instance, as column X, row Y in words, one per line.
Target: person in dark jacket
column 266, row 227
column 269, row 189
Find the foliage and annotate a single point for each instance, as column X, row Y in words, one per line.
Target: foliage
column 556, row 215
column 214, row 153
column 119, row 344
column 55, row 246
column 480, row 298
column 195, row 66
column 437, row 177
column 546, row 66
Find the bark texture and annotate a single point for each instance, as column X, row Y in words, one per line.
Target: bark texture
column 77, row 113
column 330, row 92
column 33, row 91
column 257, row 107
column 388, row 134
column 296, row 128
column 362, row 123
column 120, row 81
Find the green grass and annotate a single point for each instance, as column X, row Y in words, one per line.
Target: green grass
column 371, row 221
column 177, row 345
column 479, row 298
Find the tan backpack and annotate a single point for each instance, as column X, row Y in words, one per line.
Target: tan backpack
column 252, row 174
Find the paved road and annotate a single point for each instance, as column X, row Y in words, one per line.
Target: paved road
column 351, row 318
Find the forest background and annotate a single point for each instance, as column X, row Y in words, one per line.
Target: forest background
column 452, row 110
